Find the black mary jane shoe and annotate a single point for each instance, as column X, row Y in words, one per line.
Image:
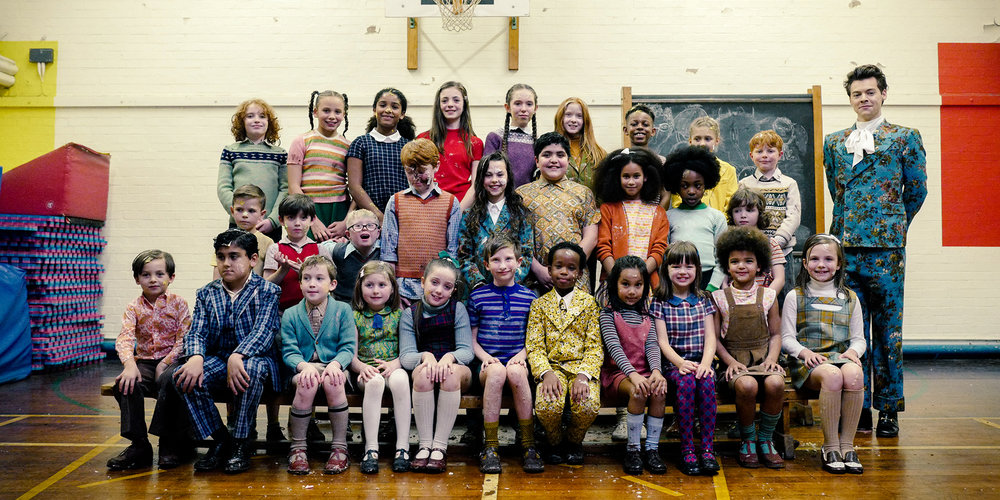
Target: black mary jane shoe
column 214, row 457
column 852, row 464
column 401, row 463
column 833, row 462
column 888, row 425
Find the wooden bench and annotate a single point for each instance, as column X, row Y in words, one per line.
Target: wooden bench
column 784, row 438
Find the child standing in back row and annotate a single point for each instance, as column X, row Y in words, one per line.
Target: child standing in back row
column 521, row 103
column 316, row 164
column 255, row 159
column 704, row 132
column 451, row 131
column 573, row 121
column 689, row 171
column 374, row 170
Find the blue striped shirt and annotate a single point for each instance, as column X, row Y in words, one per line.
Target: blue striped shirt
column 501, row 313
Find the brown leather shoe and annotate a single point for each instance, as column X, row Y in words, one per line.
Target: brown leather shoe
column 749, row 459
column 769, row 457
column 338, row 462
column 437, row 465
column 418, row 464
column 298, row 462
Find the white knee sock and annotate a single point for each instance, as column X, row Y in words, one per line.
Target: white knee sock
column 447, row 411
column 423, row 412
column 371, row 410
column 399, row 384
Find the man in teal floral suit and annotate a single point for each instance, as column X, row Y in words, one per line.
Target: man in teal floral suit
column 876, row 173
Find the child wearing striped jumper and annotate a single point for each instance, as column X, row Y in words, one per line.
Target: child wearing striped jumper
column 498, row 313
column 316, row 164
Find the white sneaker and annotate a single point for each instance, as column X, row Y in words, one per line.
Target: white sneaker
column 621, row 428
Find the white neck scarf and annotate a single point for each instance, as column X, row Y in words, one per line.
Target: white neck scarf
column 862, row 139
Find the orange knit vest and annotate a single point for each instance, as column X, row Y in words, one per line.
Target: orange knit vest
column 422, row 231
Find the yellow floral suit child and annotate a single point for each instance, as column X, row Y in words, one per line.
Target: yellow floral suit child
column 567, row 343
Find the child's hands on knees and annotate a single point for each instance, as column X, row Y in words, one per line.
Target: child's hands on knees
column 128, row 378
column 190, row 374
column 489, row 361
column 640, row 386
column 550, row 388
column 237, row 377
column 657, row 383
column 734, row 369
column 334, row 374
column 519, row 359
column 852, row 356
column 443, row 368
column 580, row 389
column 308, row 376
column 368, row 372
column 686, row 366
column 387, row 367
column 772, row 366
column 704, row 370
column 811, row 359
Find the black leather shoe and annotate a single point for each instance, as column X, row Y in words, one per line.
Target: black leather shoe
column 574, row 454
column 239, row 461
column 833, row 462
column 633, row 462
column 531, row 461
column 214, row 458
column 689, row 466
column 174, row 455
column 852, row 464
column 554, row 455
column 888, row 425
column 136, row 456
column 489, row 461
column 708, row 463
column 654, row 464
column 865, row 423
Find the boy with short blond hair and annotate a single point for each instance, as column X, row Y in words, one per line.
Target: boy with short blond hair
column 350, row 256
column 248, row 210
column 151, row 339
column 420, row 221
column 283, row 260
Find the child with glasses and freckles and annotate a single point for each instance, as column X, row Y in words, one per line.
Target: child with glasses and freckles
column 420, row 221
column 350, row 256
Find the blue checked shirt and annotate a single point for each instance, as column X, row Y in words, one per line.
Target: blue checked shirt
column 248, row 325
column 382, row 170
column 685, row 320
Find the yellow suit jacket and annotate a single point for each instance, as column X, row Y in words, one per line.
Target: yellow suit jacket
column 570, row 340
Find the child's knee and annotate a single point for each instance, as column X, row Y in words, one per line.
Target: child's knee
column 775, row 384
column 745, row 386
column 377, row 383
column 517, row 373
column 853, row 377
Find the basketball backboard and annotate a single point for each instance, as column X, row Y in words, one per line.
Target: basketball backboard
column 427, row 8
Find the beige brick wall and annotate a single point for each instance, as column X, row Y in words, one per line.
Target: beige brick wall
column 154, row 84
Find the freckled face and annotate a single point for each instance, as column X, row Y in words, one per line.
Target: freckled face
column 255, row 123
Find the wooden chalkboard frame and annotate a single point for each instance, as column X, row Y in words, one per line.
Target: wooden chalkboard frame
column 812, row 95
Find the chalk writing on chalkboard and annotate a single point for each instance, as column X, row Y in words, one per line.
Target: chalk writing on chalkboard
column 740, row 117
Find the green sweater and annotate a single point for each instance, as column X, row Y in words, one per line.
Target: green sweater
column 262, row 165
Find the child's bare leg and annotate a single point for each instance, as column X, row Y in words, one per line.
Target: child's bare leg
column 746, row 408
column 301, row 412
column 517, row 377
column 636, row 407
column 336, row 398
column 770, row 412
column 492, row 378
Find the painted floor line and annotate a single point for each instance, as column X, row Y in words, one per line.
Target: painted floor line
column 721, row 488
column 491, row 483
column 123, row 478
column 41, row 415
column 15, row 419
column 650, row 485
column 42, row 486
column 930, row 447
column 980, row 420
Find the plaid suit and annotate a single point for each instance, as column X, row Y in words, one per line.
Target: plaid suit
column 873, row 205
column 221, row 327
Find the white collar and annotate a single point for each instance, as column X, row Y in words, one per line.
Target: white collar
column 862, row 139
column 433, row 190
column 394, row 137
column 775, row 174
column 351, row 248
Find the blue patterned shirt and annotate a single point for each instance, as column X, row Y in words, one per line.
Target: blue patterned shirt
column 685, row 320
column 502, row 317
column 382, row 170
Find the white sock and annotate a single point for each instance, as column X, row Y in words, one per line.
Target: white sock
column 371, row 410
column 423, row 413
column 399, row 384
column 447, row 411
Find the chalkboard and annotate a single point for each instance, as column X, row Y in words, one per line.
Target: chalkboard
column 795, row 117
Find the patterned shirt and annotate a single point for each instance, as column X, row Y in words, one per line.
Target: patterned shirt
column 639, row 215
column 154, row 331
column 502, row 317
column 470, row 249
column 520, row 152
column 784, row 203
column 559, row 212
column 378, row 334
column 324, row 176
column 382, row 170
column 262, row 165
column 685, row 320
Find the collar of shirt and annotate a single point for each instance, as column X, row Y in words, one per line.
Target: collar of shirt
column 676, row 301
column 321, row 306
column 262, row 141
column 700, row 206
column 775, row 175
column 236, row 293
column 434, row 190
column 518, row 130
column 561, row 183
column 494, row 209
column 568, row 299
column 350, row 248
column 368, row 313
column 297, row 246
column 152, row 305
column 394, row 137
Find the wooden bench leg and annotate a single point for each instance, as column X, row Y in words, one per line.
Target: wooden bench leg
column 785, row 434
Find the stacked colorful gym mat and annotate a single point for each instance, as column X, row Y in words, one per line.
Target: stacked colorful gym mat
column 51, row 213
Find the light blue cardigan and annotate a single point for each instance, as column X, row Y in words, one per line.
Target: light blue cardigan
column 337, row 340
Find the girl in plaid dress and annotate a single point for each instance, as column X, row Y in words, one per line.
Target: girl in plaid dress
column 822, row 332
column 685, row 327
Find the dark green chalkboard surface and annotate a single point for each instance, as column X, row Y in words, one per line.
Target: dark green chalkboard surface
column 795, row 117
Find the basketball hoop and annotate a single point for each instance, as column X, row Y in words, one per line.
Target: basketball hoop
column 456, row 15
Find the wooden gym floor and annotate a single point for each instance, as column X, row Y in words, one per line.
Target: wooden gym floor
column 57, row 432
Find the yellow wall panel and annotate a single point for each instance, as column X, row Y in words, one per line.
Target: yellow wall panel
column 27, row 114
